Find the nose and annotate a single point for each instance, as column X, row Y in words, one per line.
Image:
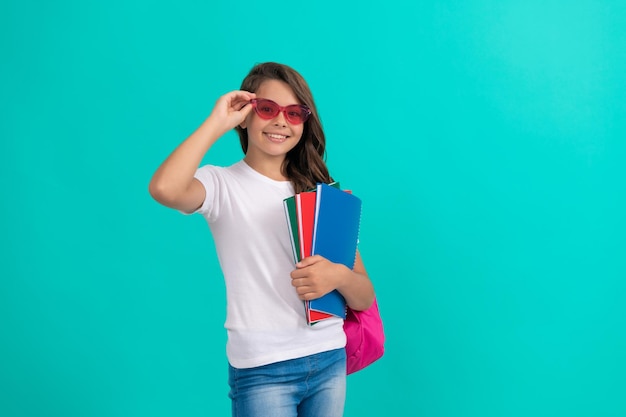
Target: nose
column 280, row 120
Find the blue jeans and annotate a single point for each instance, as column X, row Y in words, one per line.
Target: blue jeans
column 312, row 386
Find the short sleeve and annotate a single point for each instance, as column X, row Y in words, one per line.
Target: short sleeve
column 210, row 178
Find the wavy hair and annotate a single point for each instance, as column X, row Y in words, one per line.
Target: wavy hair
column 304, row 165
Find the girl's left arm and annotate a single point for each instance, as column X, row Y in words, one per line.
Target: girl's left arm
column 316, row 276
column 357, row 288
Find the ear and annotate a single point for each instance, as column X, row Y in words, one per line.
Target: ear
column 244, row 122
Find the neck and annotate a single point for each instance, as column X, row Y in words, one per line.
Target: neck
column 270, row 167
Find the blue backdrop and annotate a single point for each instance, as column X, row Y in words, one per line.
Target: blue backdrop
column 482, row 136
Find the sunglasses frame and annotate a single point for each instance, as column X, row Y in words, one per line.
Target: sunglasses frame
column 306, row 111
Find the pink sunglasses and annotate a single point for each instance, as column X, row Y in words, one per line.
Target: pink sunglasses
column 267, row 109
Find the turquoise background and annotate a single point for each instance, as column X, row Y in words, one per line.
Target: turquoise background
column 486, row 139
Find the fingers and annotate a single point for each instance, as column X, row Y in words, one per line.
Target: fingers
column 313, row 277
column 304, row 296
column 239, row 94
column 238, row 99
column 232, row 108
column 310, row 261
column 304, row 290
column 245, row 109
column 309, row 283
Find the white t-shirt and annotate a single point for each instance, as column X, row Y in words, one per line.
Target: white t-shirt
column 265, row 318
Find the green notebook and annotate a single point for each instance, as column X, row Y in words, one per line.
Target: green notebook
column 292, row 222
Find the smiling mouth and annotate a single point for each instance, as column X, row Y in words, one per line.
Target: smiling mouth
column 276, row 138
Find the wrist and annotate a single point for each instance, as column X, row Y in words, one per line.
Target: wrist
column 212, row 129
column 345, row 277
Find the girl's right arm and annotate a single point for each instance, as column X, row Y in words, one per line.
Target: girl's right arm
column 173, row 184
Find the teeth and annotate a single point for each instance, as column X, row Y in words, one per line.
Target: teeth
column 273, row 136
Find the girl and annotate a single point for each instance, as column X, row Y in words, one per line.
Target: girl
column 278, row 365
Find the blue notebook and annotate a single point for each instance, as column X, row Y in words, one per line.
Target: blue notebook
column 335, row 237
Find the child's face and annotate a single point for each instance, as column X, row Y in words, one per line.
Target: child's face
column 275, row 137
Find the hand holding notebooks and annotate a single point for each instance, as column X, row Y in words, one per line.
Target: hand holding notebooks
column 335, row 236
column 325, row 222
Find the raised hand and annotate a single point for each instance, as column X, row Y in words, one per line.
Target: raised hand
column 231, row 109
column 173, row 184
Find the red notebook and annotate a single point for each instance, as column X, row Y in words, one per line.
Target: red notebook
column 305, row 212
column 305, row 209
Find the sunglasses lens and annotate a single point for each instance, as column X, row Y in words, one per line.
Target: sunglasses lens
column 266, row 109
column 296, row 114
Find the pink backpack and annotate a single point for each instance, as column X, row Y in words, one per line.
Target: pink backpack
column 365, row 337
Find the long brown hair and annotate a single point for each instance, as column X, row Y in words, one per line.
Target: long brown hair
column 304, row 165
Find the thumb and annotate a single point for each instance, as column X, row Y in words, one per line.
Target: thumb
column 241, row 114
column 246, row 109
